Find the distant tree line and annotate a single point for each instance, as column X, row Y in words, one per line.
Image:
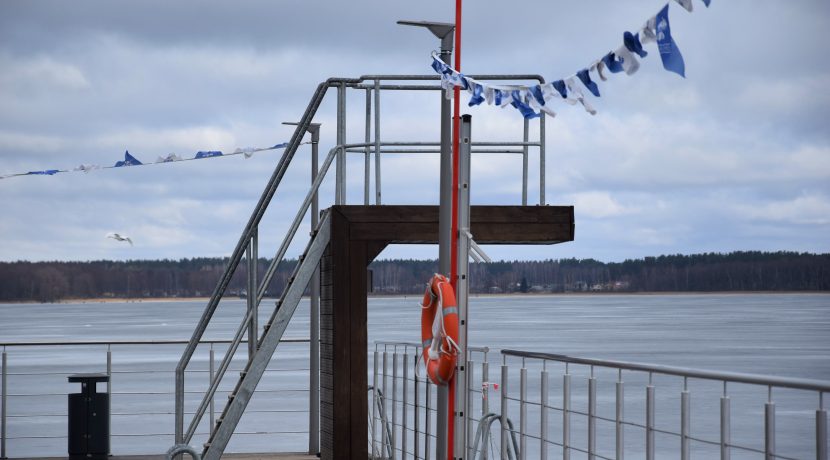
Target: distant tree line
column 736, row 271
column 51, row 281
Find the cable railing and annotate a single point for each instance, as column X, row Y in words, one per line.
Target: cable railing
column 409, row 401
column 33, row 419
column 586, row 411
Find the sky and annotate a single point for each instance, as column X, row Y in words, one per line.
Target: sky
column 736, row 156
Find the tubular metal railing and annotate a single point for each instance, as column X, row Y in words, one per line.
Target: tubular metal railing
column 24, row 383
column 596, row 424
column 723, row 443
column 409, row 404
column 248, row 244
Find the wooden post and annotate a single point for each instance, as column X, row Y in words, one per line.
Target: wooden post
column 358, row 235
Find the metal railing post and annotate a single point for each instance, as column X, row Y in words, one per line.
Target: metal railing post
column 769, row 427
column 725, row 431
column 377, row 143
column 385, row 397
column 542, row 159
column 404, row 396
column 393, row 400
column 428, row 424
column 468, row 420
column 821, row 428
column 505, row 438
column 109, row 394
column 4, row 393
column 375, row 399
column 417, row 408
column 211, row 372
column 314, row 311
column 340, row 169
column 620, row 416
column 253, row 333
column 685, row 420
column 485, row 398
column 366, row 151
column 566, row 415
column 525, row 138
column 650, row 419
column 523, row 411
column 592, row 413
column 543, row 415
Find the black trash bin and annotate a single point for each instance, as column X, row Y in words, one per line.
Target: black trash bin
column 89, row 419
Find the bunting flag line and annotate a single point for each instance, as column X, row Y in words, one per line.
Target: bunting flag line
column 531, row 101
column 129, row 160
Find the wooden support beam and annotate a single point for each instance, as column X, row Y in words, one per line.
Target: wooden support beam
column 358, row 235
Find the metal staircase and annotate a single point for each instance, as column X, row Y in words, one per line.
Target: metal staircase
column 274, row 329
column 262, row 347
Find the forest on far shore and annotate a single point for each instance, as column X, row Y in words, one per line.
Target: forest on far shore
column 710, row 272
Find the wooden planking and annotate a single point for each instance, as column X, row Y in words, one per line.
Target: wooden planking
column 356, row 344
column 340, row 354
column 489, row 224
column 326, row 359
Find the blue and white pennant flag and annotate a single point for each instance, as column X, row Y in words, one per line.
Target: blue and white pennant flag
column 531, row 100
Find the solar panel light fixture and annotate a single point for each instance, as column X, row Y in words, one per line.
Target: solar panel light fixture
column 442, row 30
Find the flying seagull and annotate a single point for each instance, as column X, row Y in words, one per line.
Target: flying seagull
column 118, row 237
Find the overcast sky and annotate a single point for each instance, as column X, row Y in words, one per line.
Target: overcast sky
column 734, row 157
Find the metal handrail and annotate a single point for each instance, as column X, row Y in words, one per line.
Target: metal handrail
column 524, row 403
column 736, row 377
column 260, row 294
column 243, row 243
column 289, row 235
column 684, row 434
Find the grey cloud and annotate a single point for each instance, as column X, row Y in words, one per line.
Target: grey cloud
column 733, row 157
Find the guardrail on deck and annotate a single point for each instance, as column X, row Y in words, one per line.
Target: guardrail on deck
column 118, row 360
column 606, row 424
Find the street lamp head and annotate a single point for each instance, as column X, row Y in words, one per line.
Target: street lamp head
column 442, row 30
column 439, row 29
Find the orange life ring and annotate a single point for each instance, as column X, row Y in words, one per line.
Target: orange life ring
column 439, row 330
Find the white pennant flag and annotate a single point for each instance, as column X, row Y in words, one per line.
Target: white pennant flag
column 574, row 90
column 629, row 62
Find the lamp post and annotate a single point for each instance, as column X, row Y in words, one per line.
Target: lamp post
column 444, row 32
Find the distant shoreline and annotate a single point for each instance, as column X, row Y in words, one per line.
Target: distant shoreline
column 393, row 296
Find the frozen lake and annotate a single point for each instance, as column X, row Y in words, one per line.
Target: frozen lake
column 777, row 334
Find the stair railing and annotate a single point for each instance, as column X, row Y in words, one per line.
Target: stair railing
column 243, row 326
column 248, row 244
column 241, row 247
